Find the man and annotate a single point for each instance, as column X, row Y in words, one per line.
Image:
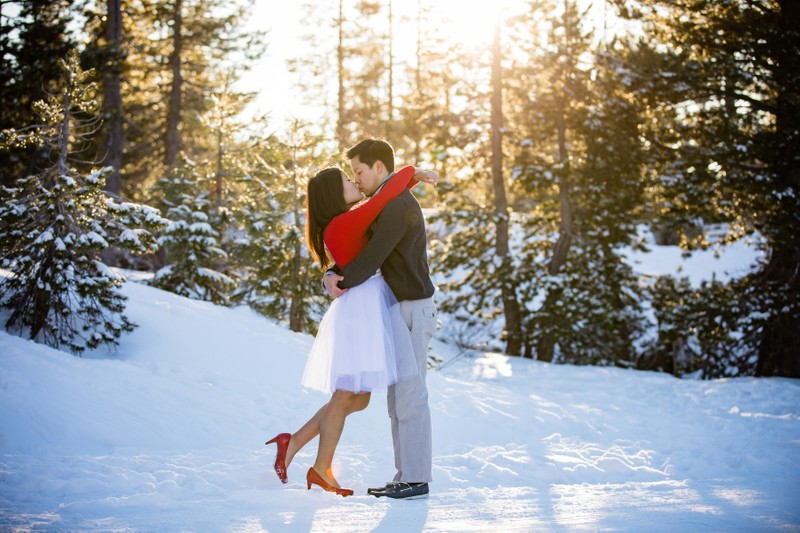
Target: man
column 398, row 247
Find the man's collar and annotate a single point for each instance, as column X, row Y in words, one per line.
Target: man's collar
column 383, row 183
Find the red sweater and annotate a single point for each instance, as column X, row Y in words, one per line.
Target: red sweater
column 346, row 235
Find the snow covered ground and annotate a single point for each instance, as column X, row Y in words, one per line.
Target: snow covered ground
column 720, row 262
column 167, row 434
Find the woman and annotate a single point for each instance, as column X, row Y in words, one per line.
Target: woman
column 354, row 351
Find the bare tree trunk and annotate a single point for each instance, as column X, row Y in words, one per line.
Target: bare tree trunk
column 63, row 138
column 173, row 139
column 390, row 119
column 565, row 230
column 418, row 78
column 341, row 135
column 545, row 345
column 218, row 176
column 112, row 97
column 511, row 308
column 297, row 306
column 545, row 348
column 777, row 351
column 42, row 297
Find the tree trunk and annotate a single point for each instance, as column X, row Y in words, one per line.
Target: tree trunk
column 778, row 353
column 112, row 97
column 341, row 135
column 778, row 348
column 565, row 230
column 546, row 344
column 173, row 139
column 511, row 308
column 297, row 305
column 63, row 137
column 418, row 79
column 218, row 176
column 545, row 347
column 390, row 114
column 42, row 297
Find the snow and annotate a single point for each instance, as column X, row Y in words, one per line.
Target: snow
column 167, row 434
column 130, row 236
column 44, row 237
column 720, row 262
column 94, row 238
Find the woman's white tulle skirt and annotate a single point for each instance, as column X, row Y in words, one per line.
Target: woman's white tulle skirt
column 363, row 343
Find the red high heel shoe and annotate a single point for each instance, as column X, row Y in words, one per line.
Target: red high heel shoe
column 314, row 477
column 282, row 441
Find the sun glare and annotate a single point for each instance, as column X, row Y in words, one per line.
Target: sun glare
column 472, row 24
column 465, row 24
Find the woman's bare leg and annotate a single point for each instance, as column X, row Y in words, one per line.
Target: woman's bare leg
column 330, row 430
column 304, row 435
column 360, row 402
column 312, row 428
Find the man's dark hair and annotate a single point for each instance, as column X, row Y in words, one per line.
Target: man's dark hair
column 371, row 150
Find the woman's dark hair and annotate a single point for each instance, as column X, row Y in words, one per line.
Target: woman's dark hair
column 371, row 150
column 324, row 200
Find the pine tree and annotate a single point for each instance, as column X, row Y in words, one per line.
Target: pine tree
column 430, row 127
column 349, row 69
column 113, row 57
column 609, row 201
column 575, row 199
column 278, row 278
column 723, row 78
column 33, row 42
column 169, row 76
column 474, row 226
column 511, row 308
column 203, row 35
column 56, row 223
column 195, row 257
column 672, row 349
column 202, row 199
column 366, row 65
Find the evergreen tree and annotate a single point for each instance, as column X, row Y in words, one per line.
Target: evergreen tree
column 278, row 277
column 350, row 67
column 431, row 123
column 202, row 199
column 366, row 95
column 33, row 39
column 672, row 349
column 318, row 73
column 575, row 200
column 108, row 60
column 723, row 79
column 56, row 223
column 195, row 257
column 511, row 308
column 172, row 59
column 474, row 226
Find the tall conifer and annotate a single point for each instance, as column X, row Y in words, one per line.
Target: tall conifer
column 723, row 81
column 55, row 225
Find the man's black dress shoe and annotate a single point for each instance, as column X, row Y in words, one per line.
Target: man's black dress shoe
column 373, row 490
column 401, row 491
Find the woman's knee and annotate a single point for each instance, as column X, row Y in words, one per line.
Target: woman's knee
column 341, row 399
column 360, row 401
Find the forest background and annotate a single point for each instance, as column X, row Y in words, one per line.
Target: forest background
column 565, row 135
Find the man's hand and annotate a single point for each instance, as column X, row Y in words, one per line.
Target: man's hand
column 330, row 281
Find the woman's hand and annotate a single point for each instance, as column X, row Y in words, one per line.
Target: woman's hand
column 427, row 176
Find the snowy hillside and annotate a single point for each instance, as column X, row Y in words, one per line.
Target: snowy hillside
column 167, row 434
